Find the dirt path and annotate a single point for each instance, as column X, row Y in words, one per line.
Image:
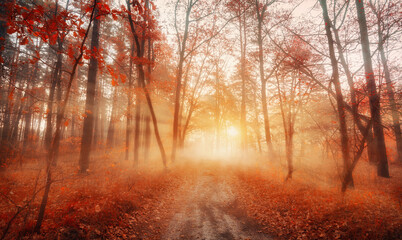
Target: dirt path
column 207, row 209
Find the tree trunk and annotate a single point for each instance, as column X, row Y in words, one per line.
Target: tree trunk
column 5, row 134
column 97, row 118
column 4, row 11
column 37, row 130
column 129, row 99
column 8, row 106
column 289, row 153
column 13, row 138
column 256, row 121
column 355, row 111
column 263, row 87
column 147, row 140
column 153, row 116
column 28, row 119
column 183, row 98
column 338, row 91
column 147, row 133
column 49, row 125
column 176, row 110
column 137, row 127
column 52, row 154
column 141, row 81
column 391, row 96
column 178, row 82
column 111, row 129
column 102, row 116
column 87, row 132
column 266, row 119
column 217, row 110
column 243, row 46
column 185, row 127
column 72, row 125
column 374, row 98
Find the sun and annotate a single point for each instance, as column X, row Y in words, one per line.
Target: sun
column 232, row 131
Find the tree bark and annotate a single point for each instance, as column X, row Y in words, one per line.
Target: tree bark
column 178, row 82
column 129, row 99
column 338, row 91
column 8, row 106
column 5, row 145
column 374, row 98
column 217, row 110
column 260, row 18
column 4, row 11
column 396, row 126
column 137, row 127
column 141, row 83
column 52, row 154
column 97, row 116
column 243, row 46
column 147, row 133
column 355, row 111
column 111, row 129
column 87, row 132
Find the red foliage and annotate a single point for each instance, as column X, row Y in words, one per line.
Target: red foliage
column 119, row 205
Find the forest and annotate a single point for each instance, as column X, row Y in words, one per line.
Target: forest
column 200, row 119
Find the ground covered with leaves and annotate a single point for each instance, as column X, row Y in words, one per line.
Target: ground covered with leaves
column 116, row 200
column 300, row 209
column 113, row 201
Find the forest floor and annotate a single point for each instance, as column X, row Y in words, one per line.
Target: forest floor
column 198, row 200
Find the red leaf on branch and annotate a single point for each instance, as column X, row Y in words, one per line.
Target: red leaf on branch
column 11, row 30
column 24, row 41
column 123, row 78
column 70, row 52
column 53, row 39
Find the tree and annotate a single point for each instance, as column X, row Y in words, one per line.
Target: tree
column 374, row 98
column 87, row 132
column 385, row 29
column 243, row 48
column 292, row 92
column 129, row 99
column 337, row 85
column 140, row 46
column 5, row 8
column 195, row 12
column 349, row 76
column 261, row 9
column 52, row 153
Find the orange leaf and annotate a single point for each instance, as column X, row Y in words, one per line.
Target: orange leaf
column 11, row 95
column 123, row 78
